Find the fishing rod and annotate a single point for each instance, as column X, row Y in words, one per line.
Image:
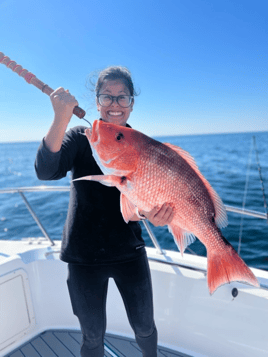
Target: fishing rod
column 32, row 79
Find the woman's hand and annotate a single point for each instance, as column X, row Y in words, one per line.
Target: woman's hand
column 63, row 104
column 159, row 217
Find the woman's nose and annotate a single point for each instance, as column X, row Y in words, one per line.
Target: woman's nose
column 114, row 102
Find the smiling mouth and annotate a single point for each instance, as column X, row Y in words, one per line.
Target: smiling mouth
column 115, row 113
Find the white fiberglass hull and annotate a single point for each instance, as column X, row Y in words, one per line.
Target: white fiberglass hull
column 34, row 298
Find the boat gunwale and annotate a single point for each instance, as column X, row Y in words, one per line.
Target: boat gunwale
column 46, row 188
column 159, row 250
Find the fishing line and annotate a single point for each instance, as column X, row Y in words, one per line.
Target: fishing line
column 253, row 145
column 244, row 199
column 87, row 122
column 259, row 169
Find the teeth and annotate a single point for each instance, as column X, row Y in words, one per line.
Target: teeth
column 115, row 113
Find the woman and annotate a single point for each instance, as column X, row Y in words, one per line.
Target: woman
column 97, row 244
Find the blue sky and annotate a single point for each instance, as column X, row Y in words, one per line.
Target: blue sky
column 200, row 65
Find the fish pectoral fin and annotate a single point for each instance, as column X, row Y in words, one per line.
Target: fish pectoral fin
column 128, row 209
column 107, row 180
column 181, row 237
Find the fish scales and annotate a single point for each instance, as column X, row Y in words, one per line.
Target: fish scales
column 148, row 174
column 159, row 180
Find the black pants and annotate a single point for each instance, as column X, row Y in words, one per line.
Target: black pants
column 88, row 291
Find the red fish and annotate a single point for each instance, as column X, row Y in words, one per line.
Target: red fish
column 148, row 174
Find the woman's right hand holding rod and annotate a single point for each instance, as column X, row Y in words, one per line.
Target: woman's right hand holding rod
column 63, row 105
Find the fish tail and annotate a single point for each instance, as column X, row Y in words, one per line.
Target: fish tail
column 227, row 267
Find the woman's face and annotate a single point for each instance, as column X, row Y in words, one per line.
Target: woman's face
column 114, row 113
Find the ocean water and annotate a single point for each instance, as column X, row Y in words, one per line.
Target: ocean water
column 228, row 161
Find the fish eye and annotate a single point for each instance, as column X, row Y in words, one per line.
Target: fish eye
column 119, row 136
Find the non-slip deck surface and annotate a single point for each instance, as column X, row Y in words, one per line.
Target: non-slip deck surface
column 66, row 343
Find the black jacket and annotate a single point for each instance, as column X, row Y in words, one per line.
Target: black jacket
column 94, row 231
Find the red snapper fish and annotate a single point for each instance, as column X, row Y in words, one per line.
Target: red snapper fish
column 148, row 174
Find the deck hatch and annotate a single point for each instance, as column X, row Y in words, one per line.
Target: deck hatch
column 16, row 310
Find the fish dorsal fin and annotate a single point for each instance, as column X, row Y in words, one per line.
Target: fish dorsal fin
column 127, row 208
column 221, row 219
column 185, row 155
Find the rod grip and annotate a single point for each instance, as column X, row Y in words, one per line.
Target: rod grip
column 79, row 112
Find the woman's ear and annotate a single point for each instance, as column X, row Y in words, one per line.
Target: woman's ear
column 132, row 104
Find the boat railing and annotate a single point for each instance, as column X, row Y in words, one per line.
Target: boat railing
column 22, row 190
column 159, row 250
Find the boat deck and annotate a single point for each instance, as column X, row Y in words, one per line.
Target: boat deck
column 66, row 343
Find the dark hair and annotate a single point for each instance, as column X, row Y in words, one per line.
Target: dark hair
column 115, row 73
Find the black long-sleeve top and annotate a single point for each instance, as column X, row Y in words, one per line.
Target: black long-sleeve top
column 94, row 231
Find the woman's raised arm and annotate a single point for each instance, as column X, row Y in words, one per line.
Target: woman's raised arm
column 63, row 104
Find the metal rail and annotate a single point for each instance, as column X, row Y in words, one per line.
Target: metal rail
column 159, row 250
column 35, row 189
column 27, row 204
column 21, row 190
column 246, row 212
column 233, row 209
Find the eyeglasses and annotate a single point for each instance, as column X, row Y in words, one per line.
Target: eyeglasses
column 105, row 100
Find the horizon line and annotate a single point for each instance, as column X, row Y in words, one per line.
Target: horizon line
column 153, row 136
